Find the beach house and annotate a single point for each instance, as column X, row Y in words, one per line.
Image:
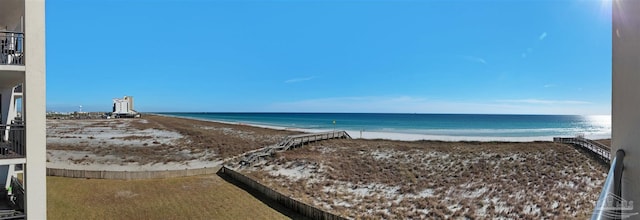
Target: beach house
column 22, row 110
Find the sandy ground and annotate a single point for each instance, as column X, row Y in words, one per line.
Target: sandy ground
column 150, row 143
column 441, row 180
column 88, row 145
column 359, row 178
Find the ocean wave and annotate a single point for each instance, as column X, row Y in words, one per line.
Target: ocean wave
column 456, row 126
column 498, row 132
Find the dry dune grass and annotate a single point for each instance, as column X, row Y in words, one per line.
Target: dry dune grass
column 439, row 180
column 363, row 179
column 605, row 141
column 225, row 140
column 155, row 139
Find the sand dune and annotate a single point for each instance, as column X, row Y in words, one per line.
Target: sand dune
column 357, row 178
column 150, row 143
column 427, row 179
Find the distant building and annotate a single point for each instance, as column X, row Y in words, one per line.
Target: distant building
column 123, row 108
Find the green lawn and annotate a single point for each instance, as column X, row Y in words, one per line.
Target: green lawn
column 199, row 197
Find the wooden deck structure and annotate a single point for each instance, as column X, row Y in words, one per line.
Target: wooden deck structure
column 291, row 142
column 601, row 151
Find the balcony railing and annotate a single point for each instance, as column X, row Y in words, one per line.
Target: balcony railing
column 610, row 204
column 18, row 89
column 17, row 193
column 11, row 48
column 12, row 139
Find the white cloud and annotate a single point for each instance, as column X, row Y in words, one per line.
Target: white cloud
column 546, row 102
column 530, row 50
column 543, row 36
column 353, row 104
column 476, row 59
column 295, row 80
column 409, row 104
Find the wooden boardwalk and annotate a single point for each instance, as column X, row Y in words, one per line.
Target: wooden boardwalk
column 291, row 142
column 599, row 150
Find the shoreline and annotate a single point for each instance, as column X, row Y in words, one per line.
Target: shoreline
column 394, row 136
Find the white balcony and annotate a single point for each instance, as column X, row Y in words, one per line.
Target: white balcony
column 12, row 19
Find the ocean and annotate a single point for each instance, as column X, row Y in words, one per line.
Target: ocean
column 428, row 126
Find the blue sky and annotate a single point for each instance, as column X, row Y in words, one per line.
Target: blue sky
column 510, row 57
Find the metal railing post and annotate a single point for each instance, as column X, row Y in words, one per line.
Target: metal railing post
column 610, row 202
column 11, row 48
column 617, row 181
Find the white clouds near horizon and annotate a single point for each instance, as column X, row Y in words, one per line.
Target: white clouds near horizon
column 409, row 104
column 295, row 80
column 546, row 102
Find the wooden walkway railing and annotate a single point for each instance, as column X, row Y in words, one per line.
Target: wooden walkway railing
column 291, row 142
column 599, row 150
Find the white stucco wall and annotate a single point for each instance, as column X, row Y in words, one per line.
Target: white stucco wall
column 10, row 17
column 626, row 94
column 35, row 109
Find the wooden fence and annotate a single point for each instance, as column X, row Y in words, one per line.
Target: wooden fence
column 130, row 175
column 294, row 205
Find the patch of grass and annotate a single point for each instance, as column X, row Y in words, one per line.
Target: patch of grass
column 199, row 197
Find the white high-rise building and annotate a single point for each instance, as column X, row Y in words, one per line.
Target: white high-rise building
column 22, row 108
column 124, row 107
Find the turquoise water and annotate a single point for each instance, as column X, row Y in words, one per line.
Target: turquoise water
column 453, row 125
